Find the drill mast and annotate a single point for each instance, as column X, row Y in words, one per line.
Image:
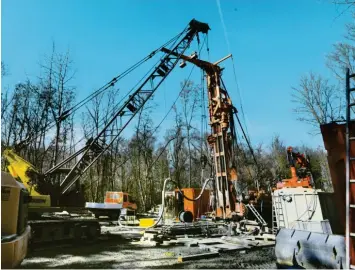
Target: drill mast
column 222, row 138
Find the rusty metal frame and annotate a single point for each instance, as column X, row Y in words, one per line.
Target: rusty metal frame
column 349, row 181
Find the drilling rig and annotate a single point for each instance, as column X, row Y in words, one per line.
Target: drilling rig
column 222, row 139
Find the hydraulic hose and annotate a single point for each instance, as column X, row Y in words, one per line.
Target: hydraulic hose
column 163, row 203
column 160, row 216
column 199, row 196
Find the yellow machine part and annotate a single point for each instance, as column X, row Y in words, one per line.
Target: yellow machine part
column 14, row 230
column 18, row 168
column 146, row 222
column 13, row 253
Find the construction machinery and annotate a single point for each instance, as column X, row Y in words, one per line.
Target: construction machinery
column 325, row 239
column 223, row 202
column 58, row 188
column 304, row 222
column 48, row 227
column 222, row 140
column 188, row 210
column 50, row 197
column 117, row 203
column 301, row 176
column 15, row 231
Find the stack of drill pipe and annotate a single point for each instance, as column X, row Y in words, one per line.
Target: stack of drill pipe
column 180, row 229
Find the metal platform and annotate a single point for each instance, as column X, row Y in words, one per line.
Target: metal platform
column 92, row 205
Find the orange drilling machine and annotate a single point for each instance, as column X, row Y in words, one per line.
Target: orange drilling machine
column 300, row 171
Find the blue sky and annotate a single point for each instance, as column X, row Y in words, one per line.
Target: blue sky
column 273, row 43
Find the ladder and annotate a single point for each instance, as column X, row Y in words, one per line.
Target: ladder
column 256, row 214
column 350, row 179
column 278, row 220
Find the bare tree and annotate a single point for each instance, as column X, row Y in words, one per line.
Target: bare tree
column 278, row 163
column 343, row 55
column 4, row 70
column 56, row 80
column 91, row 122
column 318, row 101
column 177, row 153
column 6, row 98
column 101, row 176
column 190, row 103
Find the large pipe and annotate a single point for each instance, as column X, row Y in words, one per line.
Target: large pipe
column 224, row 58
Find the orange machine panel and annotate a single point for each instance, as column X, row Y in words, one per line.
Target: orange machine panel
column 114, row 197
column 197, row 208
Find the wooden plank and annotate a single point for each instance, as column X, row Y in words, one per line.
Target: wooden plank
column 265, row 244
column 198, row 256
column 210, row 241
column 266, row 237
column 240, row 241
column 225, row 248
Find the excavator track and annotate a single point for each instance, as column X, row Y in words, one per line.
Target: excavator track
column 77, row 230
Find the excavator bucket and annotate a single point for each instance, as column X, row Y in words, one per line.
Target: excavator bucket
column 310, row 250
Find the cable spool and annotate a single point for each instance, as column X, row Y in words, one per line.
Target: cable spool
column 186, row 216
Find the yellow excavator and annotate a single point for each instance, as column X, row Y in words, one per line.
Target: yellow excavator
column 15, row 231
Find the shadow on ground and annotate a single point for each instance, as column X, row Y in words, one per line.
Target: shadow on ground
column 118, row 253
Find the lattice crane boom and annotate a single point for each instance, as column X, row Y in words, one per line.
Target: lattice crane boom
column 95, row 147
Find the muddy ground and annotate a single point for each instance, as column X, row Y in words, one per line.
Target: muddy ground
column 118, row 253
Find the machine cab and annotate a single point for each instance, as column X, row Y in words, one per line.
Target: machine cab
column 120, row 197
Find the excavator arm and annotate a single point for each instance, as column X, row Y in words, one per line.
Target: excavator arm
column 25, row 172
column 297, row 158
column 300, row 177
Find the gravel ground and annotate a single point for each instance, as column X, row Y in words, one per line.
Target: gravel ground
column 118, row 253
